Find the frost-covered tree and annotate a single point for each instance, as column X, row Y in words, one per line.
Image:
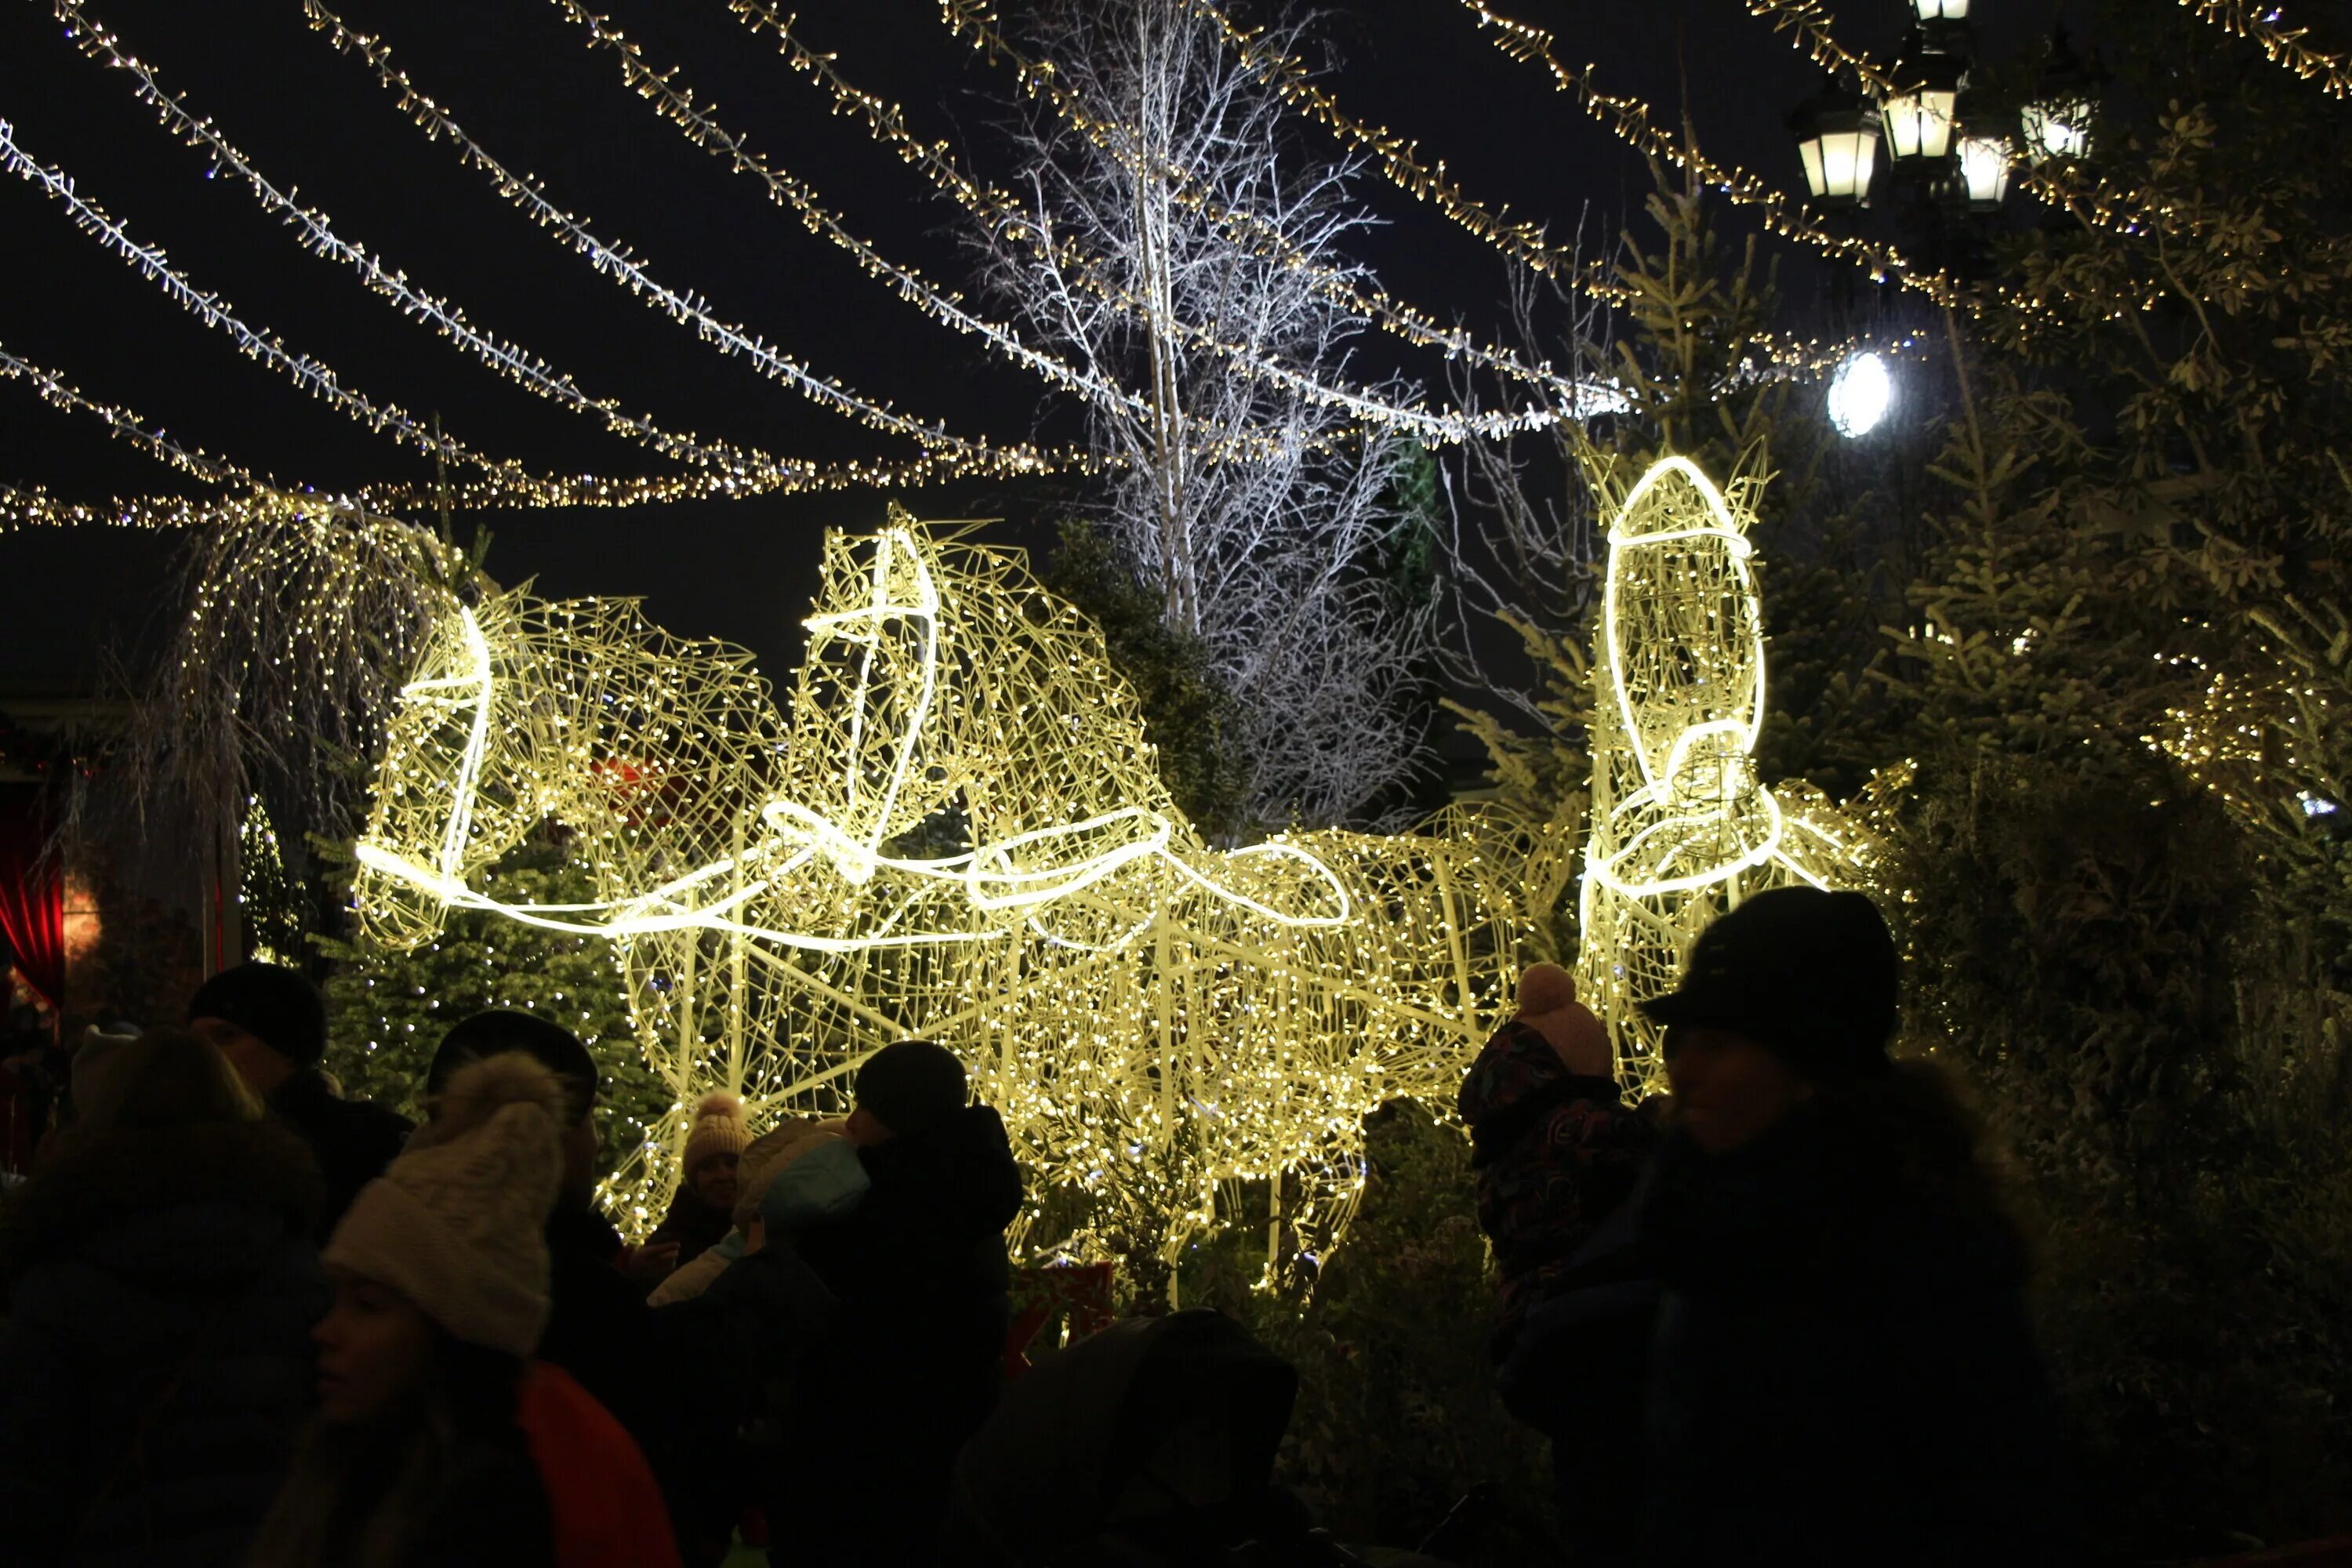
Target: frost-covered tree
column 1181, row 247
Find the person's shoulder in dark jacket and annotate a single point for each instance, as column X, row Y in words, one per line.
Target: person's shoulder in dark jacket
column 600, row 1330
column 492, row 1511
column 352, row 1140
column 163, row 1289
column 1851, row 1285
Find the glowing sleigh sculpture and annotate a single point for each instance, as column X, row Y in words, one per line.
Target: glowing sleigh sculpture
column 959, row 833
column 1682, row 828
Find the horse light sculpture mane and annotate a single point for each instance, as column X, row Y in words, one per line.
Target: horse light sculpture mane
column 959, row 833
column 1682, row 828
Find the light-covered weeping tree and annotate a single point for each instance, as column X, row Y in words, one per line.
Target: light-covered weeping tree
column 1170, row 209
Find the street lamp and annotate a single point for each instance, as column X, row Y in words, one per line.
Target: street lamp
column 1918, row 118
column 1986, row 153
column 1837, row 137
column 1860, row 394
column 2057, row 121
column 1932, row 11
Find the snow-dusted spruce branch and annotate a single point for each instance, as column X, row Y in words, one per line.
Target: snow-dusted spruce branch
column 1277, row 565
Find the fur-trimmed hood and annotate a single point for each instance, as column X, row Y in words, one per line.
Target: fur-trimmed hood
column 187, row 1200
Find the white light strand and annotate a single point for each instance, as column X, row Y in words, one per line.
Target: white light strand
column 620, row 263
column 998, row 209
column 1628, row 119
column 698, row 125
column 125, row 425
column 316, row 235
column 215, row 311
column 2282, row 46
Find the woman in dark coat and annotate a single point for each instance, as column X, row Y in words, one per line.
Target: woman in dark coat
column 1843, row 1370
column 156, row 1360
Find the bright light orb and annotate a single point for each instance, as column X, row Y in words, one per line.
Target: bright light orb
column 1860, row 394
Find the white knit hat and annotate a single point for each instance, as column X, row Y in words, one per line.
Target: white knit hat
column 458, row 1224
column 718, row 1129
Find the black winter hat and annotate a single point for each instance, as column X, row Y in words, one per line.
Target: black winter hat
column 911, row 1087
column 276, row 1007
column 1812, row 975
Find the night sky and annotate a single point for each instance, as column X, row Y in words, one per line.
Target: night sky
column 517, row 77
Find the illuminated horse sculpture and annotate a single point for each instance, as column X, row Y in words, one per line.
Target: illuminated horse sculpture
column 1682, row 828
column 960, row 833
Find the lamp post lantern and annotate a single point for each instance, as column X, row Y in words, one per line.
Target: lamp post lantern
column 2057, row 121
column 1942, row 10
column 1918, row 118
column 1986, row 155
column 1837, row 137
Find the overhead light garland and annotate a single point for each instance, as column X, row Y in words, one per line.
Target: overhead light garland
column 317, row 234
column 1629, row 120
column 2282, row 46
column 978, row 24
column 958, row 832
column 125, row 425
column 620, row 263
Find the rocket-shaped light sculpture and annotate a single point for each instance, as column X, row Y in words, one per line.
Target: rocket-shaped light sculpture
column 1682, row 826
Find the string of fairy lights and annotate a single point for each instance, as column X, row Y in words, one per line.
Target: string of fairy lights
column 2282, row 46
column 622, row 265
column 1628, row 118
column 728, row 470
column 315, row 234
column 997, row 208
column 1525, row 244
column 2095, row 199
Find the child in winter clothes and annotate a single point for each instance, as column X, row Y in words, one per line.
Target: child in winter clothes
column 792, row 1176
column 156, row 1358
column 702, row 1210
column 437, row 1441
column 1554, row 1148
column 751, row 1305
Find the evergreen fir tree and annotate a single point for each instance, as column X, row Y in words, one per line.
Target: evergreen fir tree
column 386, row 1011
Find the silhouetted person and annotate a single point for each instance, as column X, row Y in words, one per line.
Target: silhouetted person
column 597, row 1327
column 271, row 1024
column 1843, row 1370
column 162, row 1285
column 439, row 1443
column 918, row 1268
column 1557, row 1153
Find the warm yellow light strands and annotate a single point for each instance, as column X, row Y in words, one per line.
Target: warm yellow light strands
column 1808, row 22
column 1399, row 162
column 697, row 124
column 316, row 235
column 2282, row 46
column 1681, row 826
column 620, row 263
column 124, row 425
column 1629, row 120
column 958, row 832
column 215, row 311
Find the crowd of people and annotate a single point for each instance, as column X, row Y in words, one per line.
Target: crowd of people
column 250, row 1321
column 1778, row 1318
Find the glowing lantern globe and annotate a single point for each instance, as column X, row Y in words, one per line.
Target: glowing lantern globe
column 1918, row 120
column 2057, row 123
column 1837, row 137
column 1860, row 394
